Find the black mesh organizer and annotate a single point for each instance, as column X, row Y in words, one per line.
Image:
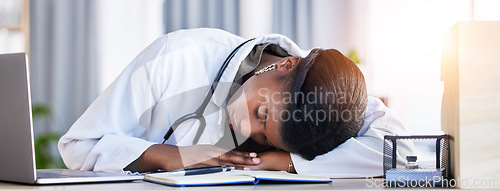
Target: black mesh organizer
column 416, row 161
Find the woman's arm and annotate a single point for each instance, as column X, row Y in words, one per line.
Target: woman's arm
column 107, row 136
column 170, row 157
column 274, row 160
column 122, row 123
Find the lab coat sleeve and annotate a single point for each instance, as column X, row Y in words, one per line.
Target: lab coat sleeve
column 107, row 136
column 357, row 157
column 115, row 129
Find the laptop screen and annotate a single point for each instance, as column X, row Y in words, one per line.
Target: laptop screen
column 16, row 133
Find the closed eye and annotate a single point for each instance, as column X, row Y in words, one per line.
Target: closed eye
column 261, row 114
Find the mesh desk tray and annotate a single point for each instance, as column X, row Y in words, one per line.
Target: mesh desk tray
column 416, row 160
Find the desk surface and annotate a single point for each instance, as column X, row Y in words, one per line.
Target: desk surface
column 336, row 184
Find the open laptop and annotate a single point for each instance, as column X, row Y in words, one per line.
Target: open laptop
column 17, row 156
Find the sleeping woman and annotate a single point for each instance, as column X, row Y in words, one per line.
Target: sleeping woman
column 275, row 107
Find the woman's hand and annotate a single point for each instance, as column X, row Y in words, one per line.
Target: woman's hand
column 273, row 160
column 170, row 157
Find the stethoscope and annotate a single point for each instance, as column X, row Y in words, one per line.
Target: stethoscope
column 198, row 113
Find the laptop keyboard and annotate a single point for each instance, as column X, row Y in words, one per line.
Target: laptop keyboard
column 64, row 173
column 53, row 175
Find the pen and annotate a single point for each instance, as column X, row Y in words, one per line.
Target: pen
column 200, row 170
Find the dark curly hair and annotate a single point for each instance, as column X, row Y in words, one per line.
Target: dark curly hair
column 329, row 104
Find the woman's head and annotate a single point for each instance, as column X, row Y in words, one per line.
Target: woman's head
column 307, row 106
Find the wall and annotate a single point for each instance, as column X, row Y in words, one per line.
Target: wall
column 126, row 27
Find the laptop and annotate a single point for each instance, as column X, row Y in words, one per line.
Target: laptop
column 17, row 156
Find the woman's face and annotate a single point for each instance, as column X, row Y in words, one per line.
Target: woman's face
column 254, row 110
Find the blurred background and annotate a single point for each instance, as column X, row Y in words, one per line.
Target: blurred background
column 77, row 48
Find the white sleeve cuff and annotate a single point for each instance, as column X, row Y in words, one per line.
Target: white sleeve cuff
column 114, row 152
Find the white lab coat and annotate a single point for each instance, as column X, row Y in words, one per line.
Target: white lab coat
column 167, row 81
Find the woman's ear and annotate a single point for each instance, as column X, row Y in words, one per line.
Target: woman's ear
column 288, row 63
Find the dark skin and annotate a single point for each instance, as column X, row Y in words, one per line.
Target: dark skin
column 252, row 111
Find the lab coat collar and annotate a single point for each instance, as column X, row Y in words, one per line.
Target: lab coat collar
column 222, row 91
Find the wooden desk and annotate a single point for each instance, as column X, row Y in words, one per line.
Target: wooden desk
column 336, row 184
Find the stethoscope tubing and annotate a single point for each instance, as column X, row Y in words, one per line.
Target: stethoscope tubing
column 198, row 114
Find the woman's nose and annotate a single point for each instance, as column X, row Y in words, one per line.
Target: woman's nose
column 246, row 127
